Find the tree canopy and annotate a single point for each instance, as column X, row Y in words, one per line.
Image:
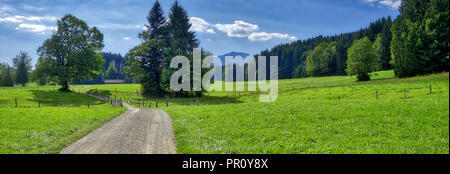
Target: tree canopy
column 72, row 52
column 362, row 59
column 22, row 64
column 420, row 38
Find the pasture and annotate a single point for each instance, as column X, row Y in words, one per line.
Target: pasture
column 61, row 119
column 312, row 115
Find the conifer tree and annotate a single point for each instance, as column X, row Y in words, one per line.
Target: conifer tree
column 182, row 42
column 22, row 64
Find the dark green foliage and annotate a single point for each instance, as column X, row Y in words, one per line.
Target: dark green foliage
column 420, row 38
column 150, row 61
column 146, row 59
column 6, row 77
column 322, row 60
column 182, row 42
column 293, row 56
column 117, row 70
column 72, row 52
column 22, row 64
column 385, row 49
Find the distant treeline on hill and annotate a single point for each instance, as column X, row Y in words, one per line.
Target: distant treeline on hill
column 114, row 68
column 292, row 60
column 415, row 43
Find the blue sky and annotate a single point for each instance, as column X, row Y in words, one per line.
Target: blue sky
column 222, row 26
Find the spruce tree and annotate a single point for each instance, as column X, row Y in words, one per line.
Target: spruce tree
column 156, row 42
column 22, row 64
column 182, row 42
column 385, row 49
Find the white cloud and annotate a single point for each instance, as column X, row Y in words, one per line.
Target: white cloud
column 23, row 23
column 200, row 25
column 263, row 36
column 239, row 29
column 12, row 19
column 20, row 19
column 394, row 4
column 35, row 28
column 40, row 18
column 126, row 38
column 119, row 26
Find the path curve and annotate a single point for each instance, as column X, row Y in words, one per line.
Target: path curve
column 137, row 131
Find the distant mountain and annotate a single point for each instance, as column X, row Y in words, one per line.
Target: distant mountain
column 233, row 54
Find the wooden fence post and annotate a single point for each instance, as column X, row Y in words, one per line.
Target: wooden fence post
column 196, row 101
column 15, row 101
column 156, row 103
column 88, row 105
column 167, row 101
column 431, row 90
column 404, row 94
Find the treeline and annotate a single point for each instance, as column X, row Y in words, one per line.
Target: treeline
column 114, row 68
column 327, row 54
column 164, row 39
column 420, row 38
column 19, row 73
column 415, row 43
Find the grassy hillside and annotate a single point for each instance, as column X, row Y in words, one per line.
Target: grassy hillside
column 314, row 115
column 62, row 118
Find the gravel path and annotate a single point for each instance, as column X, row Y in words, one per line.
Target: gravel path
column 137, row 131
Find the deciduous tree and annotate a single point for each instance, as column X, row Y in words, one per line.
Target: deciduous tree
column 72, row 52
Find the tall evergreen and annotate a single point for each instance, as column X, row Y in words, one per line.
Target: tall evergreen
column 420, row 38
column 22, row 64
column 385, row 49
column 182, row 42
column 147, row 56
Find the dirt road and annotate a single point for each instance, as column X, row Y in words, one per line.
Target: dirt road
column 137, row 131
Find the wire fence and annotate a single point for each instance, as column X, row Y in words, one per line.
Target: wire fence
column 349, row 92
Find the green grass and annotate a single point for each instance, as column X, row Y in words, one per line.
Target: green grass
column 62, row 118
column 311, row 115
column 308, row 117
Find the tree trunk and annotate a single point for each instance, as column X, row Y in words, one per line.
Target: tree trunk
column 65, row 86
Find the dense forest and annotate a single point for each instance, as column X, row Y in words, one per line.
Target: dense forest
column 293, row 56
column 114, row 68
column 415, row 43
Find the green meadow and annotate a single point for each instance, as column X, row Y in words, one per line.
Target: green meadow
column 325, row 115
column 61, row 119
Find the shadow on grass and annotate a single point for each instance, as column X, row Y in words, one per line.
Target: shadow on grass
column 65, row 98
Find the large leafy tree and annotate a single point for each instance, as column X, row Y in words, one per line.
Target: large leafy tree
column 22, row 64
column 362, row 59
column 72, row 52
column 322, row 60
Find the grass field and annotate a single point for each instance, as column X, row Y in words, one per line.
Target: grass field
column 63, row 118
column 314, row 115
column 311, row 115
